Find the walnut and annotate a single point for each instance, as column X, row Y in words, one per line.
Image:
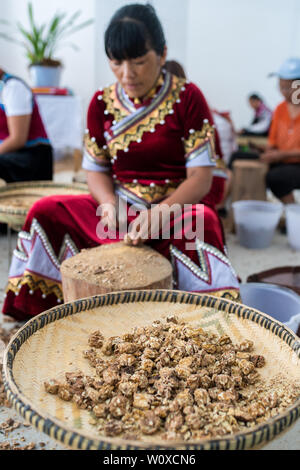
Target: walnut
column 194, row 421
column 174, row 422
column 205, row 381
column 228, row 357
column 96, row 340
column 256, row 409
column 147, row 365
column 176, row 353
column 227, row 396
column 224, row 340
column 91, row 356
column 76, row 381
column 191, row 348
column 243, row 355
column 52, row 386
column 117, row 406
column 105, row 392
column 111, row 376
column 100, row 411
column 223, row 381
column 258, row 361
column 128, row 388
column 193, row 382
column 172, row 319
column 209, row 348
column 128, row 337
column 252, row 378
column 164, row 359
column 161, row 411
column 153, row 343
column 150, row 423
column 109, row 345
column 142, row 401
column 100, row 367
column 246, row 366
column 270, row 400
column 149, row 353
column 182, row 371
column 246, row 345
column 126, row 347
column 140, row 379
column 64, row 393
column 92, row 394
column 242, row 415
column 201, row 396
column 113, row 428
column 127, row 360
column 184, row 398
column 207, row 360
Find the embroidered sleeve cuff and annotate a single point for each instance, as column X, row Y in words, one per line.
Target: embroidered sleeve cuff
column 95, row 158
column 92, row 164
column 200, row 147
column 202, row 156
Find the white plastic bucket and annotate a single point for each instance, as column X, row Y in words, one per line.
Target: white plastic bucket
column 279, row 302
column 256, row 222
column 292, row 212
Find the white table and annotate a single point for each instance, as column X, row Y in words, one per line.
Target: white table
column 63, row 120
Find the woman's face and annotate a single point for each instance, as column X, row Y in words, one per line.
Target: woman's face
column 286, row 89
column 137, row 76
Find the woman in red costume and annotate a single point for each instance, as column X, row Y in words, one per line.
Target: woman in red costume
column 150, row 141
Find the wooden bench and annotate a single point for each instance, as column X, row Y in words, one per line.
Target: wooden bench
column 248, row 183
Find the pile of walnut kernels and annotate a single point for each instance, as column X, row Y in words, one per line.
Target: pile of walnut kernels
column 173, row 381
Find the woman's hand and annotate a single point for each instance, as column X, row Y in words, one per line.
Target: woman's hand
column 271, row 156
column 149, row 223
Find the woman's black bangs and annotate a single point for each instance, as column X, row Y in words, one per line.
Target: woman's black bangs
column 126, row 40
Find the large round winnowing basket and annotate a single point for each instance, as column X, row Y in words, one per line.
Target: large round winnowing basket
column 17, row 198
column 52, row 343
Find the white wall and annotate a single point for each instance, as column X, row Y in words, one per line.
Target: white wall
column 233, row 45
column 228, row 47
column 79, row 66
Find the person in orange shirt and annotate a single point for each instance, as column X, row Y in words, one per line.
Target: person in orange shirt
column 283, row 151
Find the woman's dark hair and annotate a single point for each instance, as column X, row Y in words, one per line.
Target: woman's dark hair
column 133, row 31
column 254, row 96
column 175, row 68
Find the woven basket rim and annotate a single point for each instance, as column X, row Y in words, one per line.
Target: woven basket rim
column 10, row 188
column 53, row 426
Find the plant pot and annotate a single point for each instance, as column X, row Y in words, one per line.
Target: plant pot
column 45, row 76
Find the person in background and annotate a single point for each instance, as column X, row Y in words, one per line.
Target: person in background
column 149, row 142
column 225, row 133
column 283, row 150
column 261, row 122
column 25, row 150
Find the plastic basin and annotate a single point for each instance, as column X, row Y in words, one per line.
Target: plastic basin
column 292, row 212
column 256, row 222
column 279, row 302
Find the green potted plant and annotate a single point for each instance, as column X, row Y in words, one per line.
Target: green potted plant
column 41, row 43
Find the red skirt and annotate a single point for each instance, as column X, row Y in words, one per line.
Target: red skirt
column 58, row 227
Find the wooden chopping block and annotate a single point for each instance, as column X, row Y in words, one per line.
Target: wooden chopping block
column 249, row 180
column 114, row 267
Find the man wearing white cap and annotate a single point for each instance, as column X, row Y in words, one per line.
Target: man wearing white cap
column 283, row 151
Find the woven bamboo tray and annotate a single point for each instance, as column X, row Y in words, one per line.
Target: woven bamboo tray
column 52, row 343
column 17, row 198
